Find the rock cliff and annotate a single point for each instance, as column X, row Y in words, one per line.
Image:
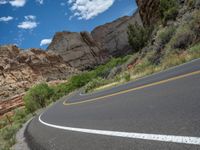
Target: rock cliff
column 113, row 36
column 84, row 50
column 149, row 11
column 79, row 50
column 21, row 69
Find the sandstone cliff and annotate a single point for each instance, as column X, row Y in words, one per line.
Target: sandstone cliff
column 149, row 11
column 84, row 50
column 79, row 50
column 21, row 69
column 113, row 36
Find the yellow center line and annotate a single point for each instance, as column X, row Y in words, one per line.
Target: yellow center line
column 133, row 89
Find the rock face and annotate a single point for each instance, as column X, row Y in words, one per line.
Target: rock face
column 113, row 36
column 79, row 50
column 21, row 69
column 149, row 11
column 84, row 50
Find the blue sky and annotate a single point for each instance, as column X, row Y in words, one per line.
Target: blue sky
column 32, row 23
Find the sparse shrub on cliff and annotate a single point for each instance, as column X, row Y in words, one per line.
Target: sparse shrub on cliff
column 166, row 34
column 183, row 38
column 138, row 36
column 95, row 83
column 191, row 3
column 127, row 76
column 104, row 70
column 168, row 9
column 38, row 97
column 82, row 79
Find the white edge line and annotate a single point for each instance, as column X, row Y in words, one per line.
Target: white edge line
column 143, row 136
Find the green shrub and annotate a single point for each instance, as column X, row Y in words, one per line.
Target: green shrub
column 138, row 36
column 97, row 82
column 166, row 34
column 80, row 80
column 168, row 9
column 195, row 24
column 38, row 97
column 195, row 48
column 183, row 38
column 104, row 70
column 191, row 3
column 9, row 132
column 127, row 77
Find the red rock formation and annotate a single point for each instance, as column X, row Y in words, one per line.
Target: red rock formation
column 21, row 69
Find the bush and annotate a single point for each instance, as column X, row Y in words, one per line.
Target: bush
column 195, row 24
column 191, row 3
column 9, row 132
column 166, row 34
column 138, row 36
column 80, row 80
column 38, row 97
column 183, row 38
column 104, row 70
column 95, row 83
column 127, row 77
column 168, row 9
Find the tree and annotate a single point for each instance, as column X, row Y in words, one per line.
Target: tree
column 138, row 36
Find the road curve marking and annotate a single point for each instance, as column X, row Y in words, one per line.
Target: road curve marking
column 132, row 135
column 133, row 89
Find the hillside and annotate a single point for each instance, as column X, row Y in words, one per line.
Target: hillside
column 159, row 35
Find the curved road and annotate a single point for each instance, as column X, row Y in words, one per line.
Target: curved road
column 161, row 111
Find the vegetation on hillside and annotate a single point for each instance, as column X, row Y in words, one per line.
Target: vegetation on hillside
column 8, row 131
column 168, row 9
column 169, row 44
column 138, row 36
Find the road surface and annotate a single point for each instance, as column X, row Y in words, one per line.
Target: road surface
column 158, row 112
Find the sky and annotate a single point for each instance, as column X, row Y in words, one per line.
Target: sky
column 33, row 23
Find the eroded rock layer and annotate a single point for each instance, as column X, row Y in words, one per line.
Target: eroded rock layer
column 113, row 36
column 79, row 50
column 21, row 69
column 149, row 11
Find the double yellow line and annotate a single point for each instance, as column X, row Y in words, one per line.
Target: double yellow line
column 133, row 89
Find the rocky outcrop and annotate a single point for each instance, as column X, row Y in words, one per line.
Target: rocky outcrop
column 84, row 50
column 113, row 36
column 79, row 50
column 149, row 11
column 21, row 69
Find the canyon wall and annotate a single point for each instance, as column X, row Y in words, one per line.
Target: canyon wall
column 19, row 70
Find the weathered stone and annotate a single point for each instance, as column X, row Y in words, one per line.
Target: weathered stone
column 21, row 69
column 149, row 11
column 113, row 36
column 79, row 50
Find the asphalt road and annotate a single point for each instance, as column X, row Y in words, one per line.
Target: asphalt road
column 158, row 112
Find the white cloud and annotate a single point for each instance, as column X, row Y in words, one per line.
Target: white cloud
column 17, row 3
column 30, row 17
column 87, row 9
column 14, row 3
column 45, row 42
column 28, row 23
column 6, row 19
column 40, row 1
column 3, row 2
column 62, row 4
